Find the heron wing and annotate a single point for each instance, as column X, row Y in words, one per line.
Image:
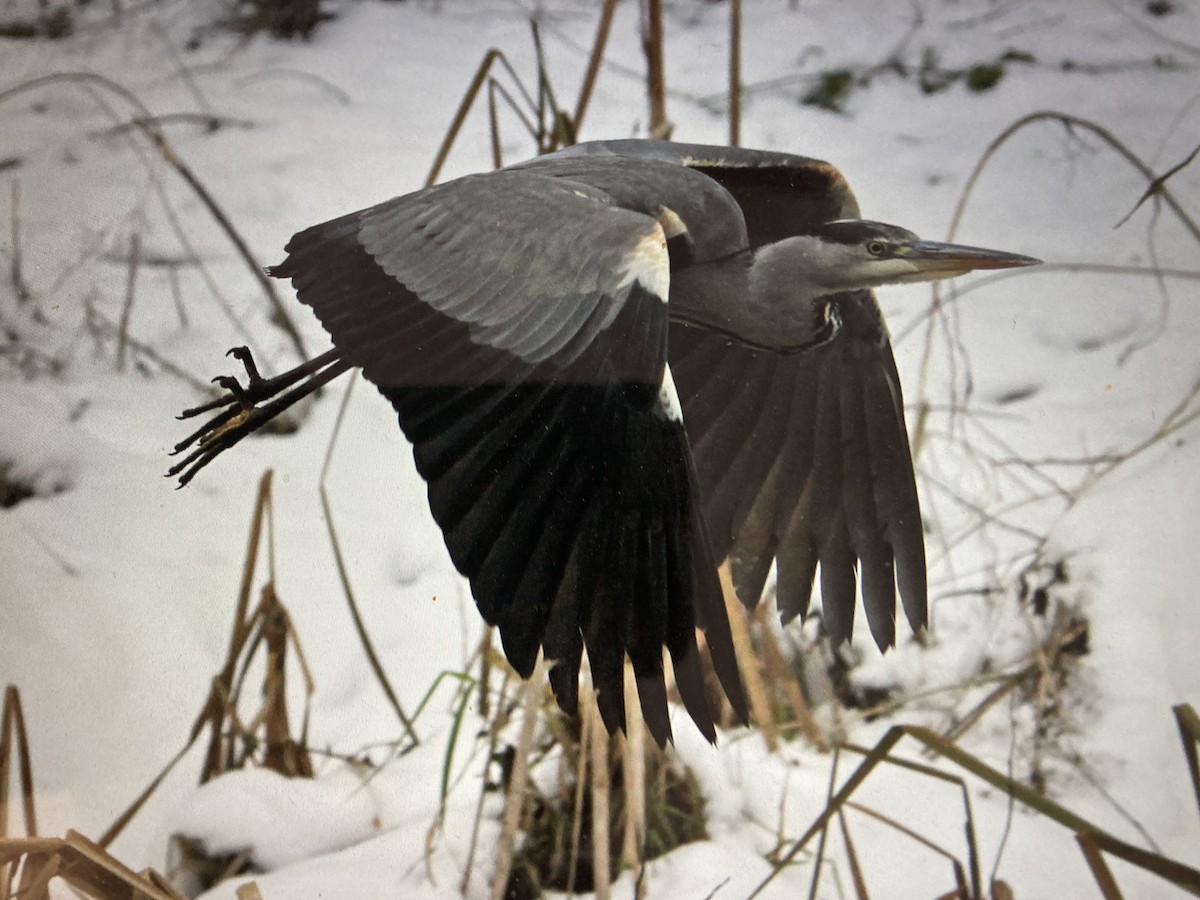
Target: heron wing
column 518, row 325
column 703, row 221
column 803, row 458
column 778, row 194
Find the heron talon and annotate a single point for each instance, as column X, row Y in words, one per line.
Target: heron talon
column 246, row 358
column 237, row 392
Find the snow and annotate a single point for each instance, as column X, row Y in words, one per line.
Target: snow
column 118, row 592
column 282, row 820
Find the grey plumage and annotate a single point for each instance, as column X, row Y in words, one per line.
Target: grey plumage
column 539, row 331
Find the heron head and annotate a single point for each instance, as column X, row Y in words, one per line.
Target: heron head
column 850, row 254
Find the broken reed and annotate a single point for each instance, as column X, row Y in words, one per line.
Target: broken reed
column 1094, row 842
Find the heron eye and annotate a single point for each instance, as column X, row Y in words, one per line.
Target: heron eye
column 876, row 248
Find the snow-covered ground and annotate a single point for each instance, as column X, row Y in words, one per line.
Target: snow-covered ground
column 118, row 592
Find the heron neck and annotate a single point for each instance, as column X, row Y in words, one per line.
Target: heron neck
column 745, row 297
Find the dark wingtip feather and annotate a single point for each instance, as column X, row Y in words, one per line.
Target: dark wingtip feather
column 713, row 618
column 914, row 591
column 862, row 461
column 879, row 600
column 652, row 696
column 749, row 573
column 610, row 698
column 689, row 681
column 837, row 590
column 521, row 647
column 894, row 483
column 564, row 682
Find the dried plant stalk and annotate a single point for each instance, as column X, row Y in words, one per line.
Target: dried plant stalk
column 84, row 865
column 597, row 56
column 14, row 742
column 752, row 678
column 1189, row 734
column 656, row 81
column 1176, row 873
column 518, row 781
column 597, row 750
column 735, row 72
column 633, row 761
column 360, row 626
column 581, row 773
column 135, row 255
column 778, row 671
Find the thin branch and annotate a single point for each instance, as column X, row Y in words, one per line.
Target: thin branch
column 735, row 72
column 1157, row 185
column 344, row 576
column 135, row 254
column 652, row 46
column 603, row 29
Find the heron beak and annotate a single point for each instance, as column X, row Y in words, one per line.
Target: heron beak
column 934, row 259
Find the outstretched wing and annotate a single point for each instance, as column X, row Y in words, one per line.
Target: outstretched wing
column 826, row 475
column 518, row 324
column 803, row 458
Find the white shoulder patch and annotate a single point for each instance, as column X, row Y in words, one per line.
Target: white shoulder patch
column 649, row 265
column 672, row 225
column 668, row 397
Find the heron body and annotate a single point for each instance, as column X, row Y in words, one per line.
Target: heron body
column 620, row 365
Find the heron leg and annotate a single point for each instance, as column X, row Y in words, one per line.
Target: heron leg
column 241, row 413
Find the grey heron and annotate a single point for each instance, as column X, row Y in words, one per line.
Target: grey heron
column 620, row 365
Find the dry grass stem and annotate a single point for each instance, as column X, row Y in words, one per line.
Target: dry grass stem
column 1177, row 873
column 1189, row 734
column 1159, row 184
column 15, row 274
column 135, row 255
column 460, row 115
column 518, row 781
column 597, row 750
column 14, row 745
column 735, row 73
column 344, row 576
column 603, row 29
column 1100, row 870
column 586, row 724
column 86, row 867
column 498, row 722
column 856, row 874
column 633, row 762
column 781, row 674
column 550, row 126
column 656, row 82
column 752, row 676
column 118, row 825
column 960, row 875
column 819, row 857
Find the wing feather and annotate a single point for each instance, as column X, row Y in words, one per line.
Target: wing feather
column 804, row 460
column 528, row 372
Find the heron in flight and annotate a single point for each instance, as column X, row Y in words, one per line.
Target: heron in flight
column 620, row 365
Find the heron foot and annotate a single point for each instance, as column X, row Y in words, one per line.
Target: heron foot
column 239, row 410
column 257, row 388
